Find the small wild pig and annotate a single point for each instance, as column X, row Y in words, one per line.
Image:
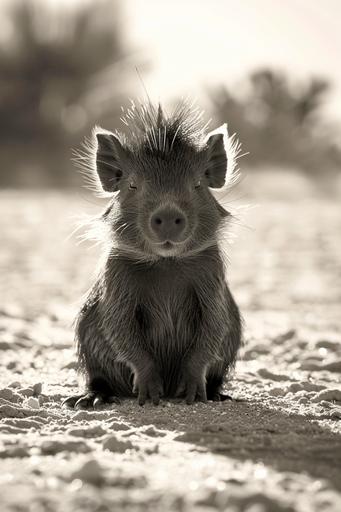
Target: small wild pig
column 160, row 319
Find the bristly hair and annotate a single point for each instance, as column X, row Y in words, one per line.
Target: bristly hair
column 152, row 129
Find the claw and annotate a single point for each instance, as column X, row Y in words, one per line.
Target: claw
column 98, row 401
column 70, row 402
column 90, row 400
column 85, row 402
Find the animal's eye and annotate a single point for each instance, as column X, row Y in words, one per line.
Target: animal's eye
column 132, row 186
column 197, row 185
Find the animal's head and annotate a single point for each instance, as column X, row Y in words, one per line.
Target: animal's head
column 163, row 174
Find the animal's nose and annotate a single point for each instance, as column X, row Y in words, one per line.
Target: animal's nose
column 168, row 224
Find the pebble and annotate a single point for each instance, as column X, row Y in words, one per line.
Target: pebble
column 9, row 411
column 151, row 450
column 90, row 472
column 6, row 393
column 37, row 388
column 334, row 366
column 89, row 432
column 336, row 413
column 277, row 392
column 329, row 344
column 51, row 447
column 114, row 444
column 72, row 365
column 151, row 431
column 14, row 384
column 328, row 394
column 118, row 425
column 14, row 451
column 296, row 387
column 5, row 345
column 266, row 374
column 312, row 366
column 26, row 391
column 285, row 336
column 33, row 403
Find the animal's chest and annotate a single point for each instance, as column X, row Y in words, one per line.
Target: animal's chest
column 169, row 318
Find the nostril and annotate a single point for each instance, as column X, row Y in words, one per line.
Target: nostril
column 168, row 224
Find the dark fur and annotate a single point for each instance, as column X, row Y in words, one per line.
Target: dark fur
column 157, row 325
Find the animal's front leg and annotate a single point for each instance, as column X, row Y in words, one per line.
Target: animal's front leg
column 192, row 383
column 147, row 379
column 147, row 382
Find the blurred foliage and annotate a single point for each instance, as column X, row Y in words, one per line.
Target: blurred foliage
column 65, row 68
column 280, row 123
column 61, row 72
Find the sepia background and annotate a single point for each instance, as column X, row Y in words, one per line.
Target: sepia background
column 271, row 70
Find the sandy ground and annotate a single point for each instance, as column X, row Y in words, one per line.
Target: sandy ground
column 275, row 447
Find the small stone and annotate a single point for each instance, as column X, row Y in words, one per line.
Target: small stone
column 285, row 336
column 88, row 432
column 326, row 404
column 114, row 444
column 90, row 472
column 328, row 394
column 152, row 449
column 6, row 393
column 33, row 403
column 151, row 431
column 5, row 345
column 334, row 366
column 277, row 391
column 72, row 365
column 14, row 451
column 51, row 447
column 266, row 374
column 336, row 413
column 37, row 388
column 11, row 365
column 329, row 344
column 310, row 366
column 118, row 425
column 8, row 411
column 14, row 384
column 26, row 391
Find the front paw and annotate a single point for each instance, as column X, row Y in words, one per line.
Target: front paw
column 148, row 384
column 192, row 386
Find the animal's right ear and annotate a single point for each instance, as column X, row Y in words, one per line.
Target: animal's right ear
column 108, row 161
column 217, row 161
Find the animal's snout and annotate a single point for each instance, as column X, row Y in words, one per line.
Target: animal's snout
column 168, row 224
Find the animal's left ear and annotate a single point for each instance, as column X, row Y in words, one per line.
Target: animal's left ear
column 217, row 159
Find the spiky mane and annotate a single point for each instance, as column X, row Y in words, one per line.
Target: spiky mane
column 152, row 129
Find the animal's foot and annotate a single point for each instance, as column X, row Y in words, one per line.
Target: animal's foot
column 220, row 397
column 148, row 385
column 90, row 400
column 192, row 387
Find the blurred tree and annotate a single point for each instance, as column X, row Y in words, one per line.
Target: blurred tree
column 279, row 123
column 61, row 71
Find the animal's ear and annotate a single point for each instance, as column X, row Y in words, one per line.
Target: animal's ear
column 108, row 161
column 217, row 160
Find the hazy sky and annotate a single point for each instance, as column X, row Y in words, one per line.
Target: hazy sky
column 192, row 42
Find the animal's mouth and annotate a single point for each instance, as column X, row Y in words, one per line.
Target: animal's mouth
column 168, row 248
column 168, row 245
